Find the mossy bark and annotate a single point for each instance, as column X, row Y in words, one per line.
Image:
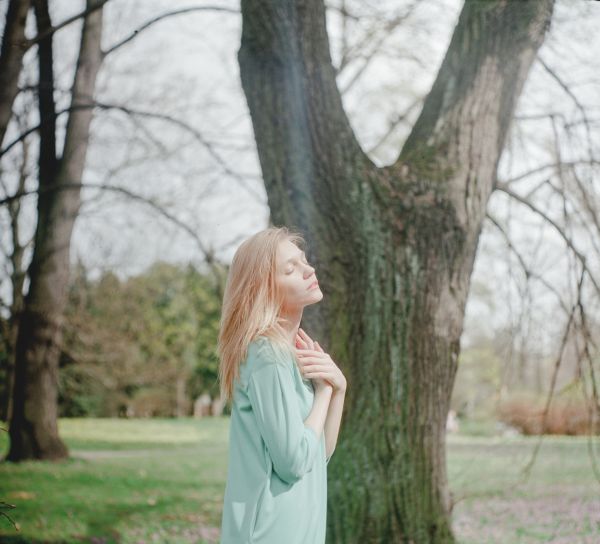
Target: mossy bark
column 393, row 247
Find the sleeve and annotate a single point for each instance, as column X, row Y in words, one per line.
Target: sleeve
column 291, row 445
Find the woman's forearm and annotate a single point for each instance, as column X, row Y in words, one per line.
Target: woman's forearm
column 333, row 420
column 318, row 414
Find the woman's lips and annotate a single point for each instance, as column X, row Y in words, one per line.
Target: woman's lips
column 313, row 285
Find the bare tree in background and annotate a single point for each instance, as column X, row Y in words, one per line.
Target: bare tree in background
column 397, row 243
column 33, row 334
column 12, row 51
column 15, row 265
column 33, row 423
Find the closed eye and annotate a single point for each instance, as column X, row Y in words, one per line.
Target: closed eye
column 289, row 271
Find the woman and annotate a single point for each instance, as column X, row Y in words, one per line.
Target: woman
column 287, row 394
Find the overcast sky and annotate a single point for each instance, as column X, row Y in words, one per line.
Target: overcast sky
column 186, row 67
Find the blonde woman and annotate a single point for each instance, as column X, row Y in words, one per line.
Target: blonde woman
column 287, row 396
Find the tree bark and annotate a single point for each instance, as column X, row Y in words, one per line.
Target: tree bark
column 393, row 247
column 47, row 159
column 13, row 48
column 33, row 426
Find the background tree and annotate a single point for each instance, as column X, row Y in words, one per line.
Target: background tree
column 33, row 423
column 11, row 57
column 59, row 203
column 143, row 346
column 397, row 244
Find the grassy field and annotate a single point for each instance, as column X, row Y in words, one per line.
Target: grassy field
column 162, row 481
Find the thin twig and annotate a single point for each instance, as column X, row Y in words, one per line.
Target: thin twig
column 526, row 471
column 158, row 18
column 152, row 115
column 506, row 189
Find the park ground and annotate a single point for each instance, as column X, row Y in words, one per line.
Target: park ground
column 162, row 481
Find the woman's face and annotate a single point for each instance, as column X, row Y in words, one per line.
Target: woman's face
column 295, row 277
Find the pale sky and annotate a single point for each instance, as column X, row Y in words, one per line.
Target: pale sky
column 186, row 67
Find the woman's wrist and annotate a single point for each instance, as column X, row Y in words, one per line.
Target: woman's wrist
column 324, row 390
column 341, row 389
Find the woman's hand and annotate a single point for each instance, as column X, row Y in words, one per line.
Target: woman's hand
column 316, row 364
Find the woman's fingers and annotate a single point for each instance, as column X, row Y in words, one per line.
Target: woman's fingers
column 307, row 362
column 313, row 361
column 311, row 344
column 310, row 353
column 301, row 343
column 306, row 338
column 316, row 373
column 309, row 369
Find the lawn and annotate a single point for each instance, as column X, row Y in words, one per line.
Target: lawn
column 162, row 481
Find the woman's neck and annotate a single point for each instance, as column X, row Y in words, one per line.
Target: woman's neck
column 291, row 324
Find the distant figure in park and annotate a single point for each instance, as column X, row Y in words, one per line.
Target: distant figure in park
column 202, row 405
column 287, row 396
column 452, row 425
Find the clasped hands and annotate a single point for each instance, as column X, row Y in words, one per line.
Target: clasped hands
column 317, row 365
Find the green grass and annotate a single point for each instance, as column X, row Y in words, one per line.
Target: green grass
column 162, row 480
column 128, row 481
column 558, row 501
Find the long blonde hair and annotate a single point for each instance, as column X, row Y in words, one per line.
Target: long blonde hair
column 251, row 302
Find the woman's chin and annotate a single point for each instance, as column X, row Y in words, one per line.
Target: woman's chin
column 317, row 295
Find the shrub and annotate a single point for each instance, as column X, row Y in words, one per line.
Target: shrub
column 565, row 416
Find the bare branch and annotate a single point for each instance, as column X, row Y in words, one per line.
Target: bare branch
column 188, row 128
column 576, row 100
column 206, row 251
column 529, row 273
column 394, row 123
column 161, row 116
column 342, row 10
column 527, row 202
column 155, row 20
column 526, row 472
column 388, row 29
column 587, row 202
column 563, row 85
column 553, row 166
column 557, row 115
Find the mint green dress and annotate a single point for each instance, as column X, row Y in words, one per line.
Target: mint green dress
column 276, row 490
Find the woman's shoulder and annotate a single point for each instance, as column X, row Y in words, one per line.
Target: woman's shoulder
column 263, row 352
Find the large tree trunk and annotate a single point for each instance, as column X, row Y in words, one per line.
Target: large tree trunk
column 11, row 59
column 394, row 246
column 33, row 426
